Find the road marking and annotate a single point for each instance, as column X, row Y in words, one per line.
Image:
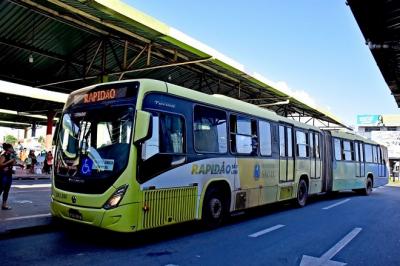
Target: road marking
column 32, row 186
column 27, row 217
column 336, row 204
column 325, row 259
column 265, row 231
column 25, row 191
column 380, row 187
column 22, row 201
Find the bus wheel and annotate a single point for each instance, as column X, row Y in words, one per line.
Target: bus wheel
column 302, row 193
column 214, row 209
column 368, row 187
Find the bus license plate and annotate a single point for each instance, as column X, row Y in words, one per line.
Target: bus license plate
column 74, row 214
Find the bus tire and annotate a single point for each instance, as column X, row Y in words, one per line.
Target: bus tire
column 302, row 194
column 368, row 187
column 214, row 209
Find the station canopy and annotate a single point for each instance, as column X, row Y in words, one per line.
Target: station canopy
column 64, row 45
column 379, row 21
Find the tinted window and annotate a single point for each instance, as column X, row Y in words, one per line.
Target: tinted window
column 209, row 130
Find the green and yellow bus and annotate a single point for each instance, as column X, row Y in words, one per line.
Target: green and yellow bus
column 140, row 154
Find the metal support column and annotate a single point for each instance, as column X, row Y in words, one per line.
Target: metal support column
column 49, row 130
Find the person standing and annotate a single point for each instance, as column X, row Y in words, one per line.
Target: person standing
column 48, row 162
column 49, row 159
column 31, row 161
column 7, row 160
column 23, row 155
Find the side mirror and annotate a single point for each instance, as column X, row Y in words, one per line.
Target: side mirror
column 69, row 125
column 143, row 126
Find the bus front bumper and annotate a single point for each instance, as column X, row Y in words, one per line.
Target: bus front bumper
column 120, row 219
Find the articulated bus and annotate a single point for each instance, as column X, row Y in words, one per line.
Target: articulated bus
column 140, row 154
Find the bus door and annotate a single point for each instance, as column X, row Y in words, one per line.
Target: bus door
column 315, row 162
column 286, row 161
column 359, row 159
column 381, row 162
column 313, row 159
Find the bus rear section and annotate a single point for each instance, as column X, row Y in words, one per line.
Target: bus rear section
column 357, row 164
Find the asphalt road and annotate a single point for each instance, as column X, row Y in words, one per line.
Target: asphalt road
column 347, row 228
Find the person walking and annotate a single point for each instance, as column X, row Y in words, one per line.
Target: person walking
column 7, row 160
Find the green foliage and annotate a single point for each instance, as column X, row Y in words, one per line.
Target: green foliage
column 41, row 140
column 10, row 139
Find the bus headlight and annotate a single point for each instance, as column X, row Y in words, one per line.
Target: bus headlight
column 116, row 198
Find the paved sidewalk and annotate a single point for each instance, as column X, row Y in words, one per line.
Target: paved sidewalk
column 30, row 201
column 24, row 174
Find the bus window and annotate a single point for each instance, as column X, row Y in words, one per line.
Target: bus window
column 317, row 147
column 302, row 145
column 265, row 138
column 356, row 149
column 152, row 146
column 282, row 141
column 368, row 153
column 338, row 150
column 375, row 153
column 285, row 142
column 243, row 135
column 167, row 137
column 311, row 141
column 289, row 142
column 209, row 127
column 379, row 154
column 348, row 151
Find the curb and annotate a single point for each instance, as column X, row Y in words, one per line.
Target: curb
column 39, row 226
column 29, row 177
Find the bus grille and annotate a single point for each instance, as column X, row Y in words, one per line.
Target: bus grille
column 168, row 206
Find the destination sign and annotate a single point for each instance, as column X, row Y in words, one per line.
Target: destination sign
column 105, row 92
column 103, row 95
column 96, row 96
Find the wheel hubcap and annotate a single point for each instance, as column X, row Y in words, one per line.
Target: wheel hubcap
column 302, row 193
column 216, row 208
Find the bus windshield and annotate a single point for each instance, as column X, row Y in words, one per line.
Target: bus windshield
column 93, row 147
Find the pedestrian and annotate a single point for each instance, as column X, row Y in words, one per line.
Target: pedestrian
column 23, row 155
column 7, row 160
column 48, row 162
column 31, row 161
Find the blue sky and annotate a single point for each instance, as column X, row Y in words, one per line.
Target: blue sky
column 313, row 46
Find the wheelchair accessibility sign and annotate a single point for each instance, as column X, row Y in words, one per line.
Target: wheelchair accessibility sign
column 86, row 168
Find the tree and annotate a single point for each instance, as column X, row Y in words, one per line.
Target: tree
column 10, row 139
column 41, row 140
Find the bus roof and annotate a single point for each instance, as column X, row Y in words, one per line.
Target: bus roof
column 352, row 136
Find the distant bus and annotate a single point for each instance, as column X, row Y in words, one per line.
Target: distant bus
column 141, row 154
